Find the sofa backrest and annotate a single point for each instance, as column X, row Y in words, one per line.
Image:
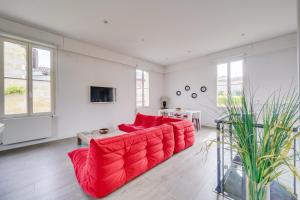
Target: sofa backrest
column 147, row 120
column 114, row 161
column 184, row 135
column 170, row 119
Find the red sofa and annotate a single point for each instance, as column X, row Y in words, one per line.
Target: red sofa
column 111, row 162
column 183, row 130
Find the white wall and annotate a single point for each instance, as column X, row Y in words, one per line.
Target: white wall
column 269, row 65
column 74, row 112
column 80, row 65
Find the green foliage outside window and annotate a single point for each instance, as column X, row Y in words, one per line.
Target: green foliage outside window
column 14, row 89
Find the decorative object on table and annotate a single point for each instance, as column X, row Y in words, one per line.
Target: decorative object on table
column 194, row 95
column 178, row 109
column 164, row 101
column 203, row 89
column 103, row 130
column 187, row 88
column 265, row 150
column 178, row 93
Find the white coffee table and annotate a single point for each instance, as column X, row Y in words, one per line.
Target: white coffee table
column 86, row 136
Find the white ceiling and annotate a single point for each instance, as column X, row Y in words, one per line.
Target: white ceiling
column 160, row 31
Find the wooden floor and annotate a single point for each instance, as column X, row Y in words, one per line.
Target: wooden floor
column 45, row 172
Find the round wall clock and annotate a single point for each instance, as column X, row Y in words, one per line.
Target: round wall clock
column 178, row 93
column 187, row 88
column 194, row 95
column 203, row 89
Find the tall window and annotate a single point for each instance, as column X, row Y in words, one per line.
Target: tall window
column 229, row 79
column 142, row 88
column 27, row 78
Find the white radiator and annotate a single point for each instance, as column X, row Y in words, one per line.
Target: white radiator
column 26, row 129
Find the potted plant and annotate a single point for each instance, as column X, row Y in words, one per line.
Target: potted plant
column 263, row 151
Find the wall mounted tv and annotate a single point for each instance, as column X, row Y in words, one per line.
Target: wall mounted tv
column 102, row 94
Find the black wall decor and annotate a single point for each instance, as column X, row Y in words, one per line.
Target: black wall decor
column 194, row 95
column 178, row 93
column 203, row 89
column 187, row 88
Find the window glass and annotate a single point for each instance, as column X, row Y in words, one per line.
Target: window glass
column 236, row 72
column 146, row 97
column 15, row 96
column 222, row 74
column 41, row 96
column 222, row 77
column 142, row 88
column 15, row 60
column 235, row 85
column 15, row 78
column 41, row 64
column 41, row 85
column 221, row 95
column 146, row 80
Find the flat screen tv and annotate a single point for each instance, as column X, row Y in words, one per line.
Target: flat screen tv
column 103, row 94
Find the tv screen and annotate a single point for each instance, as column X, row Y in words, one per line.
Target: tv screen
column 102, row 94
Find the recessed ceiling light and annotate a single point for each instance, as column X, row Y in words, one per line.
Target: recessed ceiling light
column 243, row 34
column 105, row 21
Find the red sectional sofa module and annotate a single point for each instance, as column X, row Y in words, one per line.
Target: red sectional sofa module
column 141, row 122
column 184, row 136
column 183, row 129
column 111, row 162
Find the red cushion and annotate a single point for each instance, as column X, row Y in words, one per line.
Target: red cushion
column 109, row 163
column 170, row 119
column 147, row 120
column 184, row 136
column 129, row 127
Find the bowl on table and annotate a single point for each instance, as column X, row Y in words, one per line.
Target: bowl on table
column 103, row 130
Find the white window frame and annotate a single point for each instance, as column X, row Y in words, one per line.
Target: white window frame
column 29, row 46
column 227, row 62
column 143, row 88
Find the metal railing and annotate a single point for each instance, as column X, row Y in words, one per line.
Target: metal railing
column 220, row 125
